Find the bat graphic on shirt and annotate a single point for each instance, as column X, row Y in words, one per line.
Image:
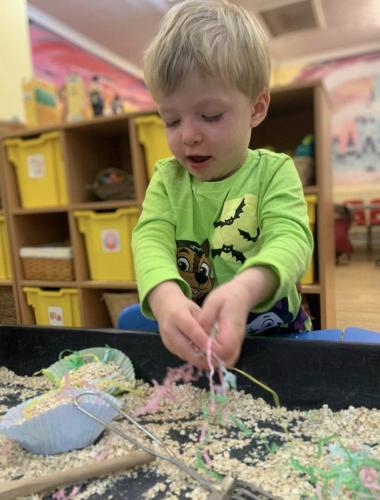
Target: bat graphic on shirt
column 228, row 222
column 229, row 249
column 247, row 236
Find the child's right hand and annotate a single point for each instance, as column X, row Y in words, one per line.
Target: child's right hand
column 177, row 318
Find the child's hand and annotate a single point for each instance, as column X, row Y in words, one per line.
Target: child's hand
column 177, row 317
column 229, row 306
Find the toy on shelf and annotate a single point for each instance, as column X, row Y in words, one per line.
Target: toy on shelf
column 96, row 97
column 113, row 184
column 304, row 160
column 41, row 103
column 75, row 98
column 117, row 105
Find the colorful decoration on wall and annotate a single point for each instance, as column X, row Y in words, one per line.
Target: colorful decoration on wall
column 353, row 84
column 55, row 57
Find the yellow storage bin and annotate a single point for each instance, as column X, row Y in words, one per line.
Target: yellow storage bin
column 108, row 243
column 40, row 170
column 5, row 257
column 54, row 307
column 311, row 199
column 151, row 134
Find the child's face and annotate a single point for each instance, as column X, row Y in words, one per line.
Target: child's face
column 208, row 125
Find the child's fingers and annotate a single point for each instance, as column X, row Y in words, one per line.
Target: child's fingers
column 184, row 348
column 231, row 331
column 186, row 338
column 195, row 331
column 209, row 314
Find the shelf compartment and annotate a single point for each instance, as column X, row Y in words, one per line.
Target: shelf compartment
column 90, row 150
column 27, row 233
column 94, row 310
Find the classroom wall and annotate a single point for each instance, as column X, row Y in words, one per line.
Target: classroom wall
column 15, row 58
column 353, row 85
column 54, row 58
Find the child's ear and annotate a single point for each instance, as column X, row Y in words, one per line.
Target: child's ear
column 260, row 108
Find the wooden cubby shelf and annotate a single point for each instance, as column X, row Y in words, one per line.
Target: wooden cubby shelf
column 90, row 146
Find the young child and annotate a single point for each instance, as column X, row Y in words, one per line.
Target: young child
column 223, row 237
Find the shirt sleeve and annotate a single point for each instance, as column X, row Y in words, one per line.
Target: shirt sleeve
column 153, row 243
column 286, row 243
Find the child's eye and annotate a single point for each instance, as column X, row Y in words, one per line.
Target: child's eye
column 172, row 123
column 212, row 118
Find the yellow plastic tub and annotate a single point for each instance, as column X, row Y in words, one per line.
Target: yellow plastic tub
column 311, row 199
column 40, row 170
column 151, row 134
column 54, row 307
column 108, row 243
column 5, row 257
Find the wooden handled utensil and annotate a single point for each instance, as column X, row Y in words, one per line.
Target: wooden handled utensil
column 23, row 487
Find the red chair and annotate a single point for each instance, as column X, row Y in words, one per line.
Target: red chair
column 343, row 220
column 357, row 213
column 374, row 214
column 374, row 218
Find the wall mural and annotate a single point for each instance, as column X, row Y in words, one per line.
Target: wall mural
column 54, row 58
column 353, row 86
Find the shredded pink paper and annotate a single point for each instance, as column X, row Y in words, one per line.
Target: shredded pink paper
column 61, row 495
column 185, row 373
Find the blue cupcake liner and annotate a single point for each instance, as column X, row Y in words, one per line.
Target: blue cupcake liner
column 62, row 428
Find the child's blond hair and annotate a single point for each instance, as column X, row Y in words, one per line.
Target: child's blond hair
column 217, row 39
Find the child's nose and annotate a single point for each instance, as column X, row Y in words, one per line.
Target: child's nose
column 190, row 134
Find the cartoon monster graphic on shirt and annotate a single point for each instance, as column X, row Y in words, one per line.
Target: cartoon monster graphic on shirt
column 278, row 316
column 236, row 230
column 195, row 267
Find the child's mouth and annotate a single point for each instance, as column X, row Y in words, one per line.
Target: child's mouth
column 198, row 161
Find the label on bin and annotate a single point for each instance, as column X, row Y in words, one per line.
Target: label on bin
column 110, row 240
column 55, row 315
column 36, row 166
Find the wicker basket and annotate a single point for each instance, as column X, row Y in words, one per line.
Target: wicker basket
column 47, row 263
column 116, row 302
column 113, row 184
column 7, row 307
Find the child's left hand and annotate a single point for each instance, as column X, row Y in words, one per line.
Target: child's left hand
column 229, row 306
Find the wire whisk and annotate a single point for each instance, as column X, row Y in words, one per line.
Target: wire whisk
column 228, row 488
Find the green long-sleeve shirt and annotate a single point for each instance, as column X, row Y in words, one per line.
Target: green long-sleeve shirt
column 201, row 234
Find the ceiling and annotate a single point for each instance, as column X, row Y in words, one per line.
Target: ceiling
column 119, row 30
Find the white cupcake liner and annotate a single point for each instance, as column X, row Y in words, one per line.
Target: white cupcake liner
column 62, row 428
column 57, row 370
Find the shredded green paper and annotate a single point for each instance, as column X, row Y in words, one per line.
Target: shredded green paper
column 342, row 472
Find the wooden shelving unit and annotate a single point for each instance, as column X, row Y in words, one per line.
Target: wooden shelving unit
column 93, row 145
column 297, row 110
